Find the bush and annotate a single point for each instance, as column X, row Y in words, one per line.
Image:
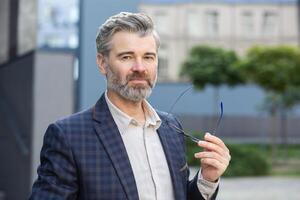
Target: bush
column 246, row 160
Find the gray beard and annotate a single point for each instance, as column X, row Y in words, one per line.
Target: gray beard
column 135, row 94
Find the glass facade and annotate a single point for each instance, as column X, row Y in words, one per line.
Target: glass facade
column 58, row 24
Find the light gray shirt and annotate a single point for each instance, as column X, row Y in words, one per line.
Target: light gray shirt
column 147, row 157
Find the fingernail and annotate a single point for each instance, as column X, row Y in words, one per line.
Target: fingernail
column 200, row 142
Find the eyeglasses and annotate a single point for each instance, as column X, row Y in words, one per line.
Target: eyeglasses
column 179, row 130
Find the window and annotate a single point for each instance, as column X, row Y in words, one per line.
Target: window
column 247, row 24
column 212, row 24
column 163, row 62
column 193, row 25
column 161, row 21
column 269, row 23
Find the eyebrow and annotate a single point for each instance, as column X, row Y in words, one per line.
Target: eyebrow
column 131, row 53
column 151, row 54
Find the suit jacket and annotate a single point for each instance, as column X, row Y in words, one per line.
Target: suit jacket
column 83, row 157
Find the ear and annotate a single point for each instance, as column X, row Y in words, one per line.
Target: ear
column 101, row 63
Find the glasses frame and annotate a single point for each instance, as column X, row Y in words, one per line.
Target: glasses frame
column 179, row 130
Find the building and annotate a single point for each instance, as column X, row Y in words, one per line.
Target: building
column 36, row 88
column 230, row 24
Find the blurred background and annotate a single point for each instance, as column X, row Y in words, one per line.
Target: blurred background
column 241, row 52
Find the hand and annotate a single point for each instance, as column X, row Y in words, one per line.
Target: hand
column 214, row 159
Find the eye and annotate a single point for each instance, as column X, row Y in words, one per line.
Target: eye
column 149, row 58
column 126, row 57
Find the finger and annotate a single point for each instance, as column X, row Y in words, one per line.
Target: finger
column 208, row 146
column 213, row 162
column 213, row 155
column 214, row 139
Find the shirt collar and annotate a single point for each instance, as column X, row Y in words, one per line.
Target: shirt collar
column 123, row 120
column 152, row 117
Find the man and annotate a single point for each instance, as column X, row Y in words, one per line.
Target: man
column 122, row 148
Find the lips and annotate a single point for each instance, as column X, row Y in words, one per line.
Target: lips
column 138, row 81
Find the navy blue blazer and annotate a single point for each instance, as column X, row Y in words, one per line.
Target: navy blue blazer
column 83, row 157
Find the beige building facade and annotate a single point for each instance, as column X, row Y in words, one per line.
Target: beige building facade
column 235, row 26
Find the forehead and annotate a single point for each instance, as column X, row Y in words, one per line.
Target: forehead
column 127, row 41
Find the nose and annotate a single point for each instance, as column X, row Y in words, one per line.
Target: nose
column 138, row 66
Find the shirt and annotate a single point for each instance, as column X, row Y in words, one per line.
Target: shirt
column 147, row 157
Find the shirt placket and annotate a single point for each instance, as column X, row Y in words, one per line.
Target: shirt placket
column 147, row 144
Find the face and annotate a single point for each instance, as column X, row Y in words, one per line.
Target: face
column 131, row 66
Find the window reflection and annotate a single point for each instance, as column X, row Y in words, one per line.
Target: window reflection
column 58, row 24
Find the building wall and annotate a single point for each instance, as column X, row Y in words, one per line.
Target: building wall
column 184, row 25
column 53, row 97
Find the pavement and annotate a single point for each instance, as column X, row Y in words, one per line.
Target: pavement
column 259, row 188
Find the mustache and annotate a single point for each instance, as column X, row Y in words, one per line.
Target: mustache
column 138, row 75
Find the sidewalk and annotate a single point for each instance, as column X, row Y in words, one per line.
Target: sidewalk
column 264, row 188
column 259, row 188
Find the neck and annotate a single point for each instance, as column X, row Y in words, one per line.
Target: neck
column 131, row 108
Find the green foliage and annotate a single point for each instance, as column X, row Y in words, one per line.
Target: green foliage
column 210, row 65
column 276, row 70
column 273, row 68
column 246, row 160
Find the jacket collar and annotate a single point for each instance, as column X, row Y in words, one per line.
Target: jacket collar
column 110, row 138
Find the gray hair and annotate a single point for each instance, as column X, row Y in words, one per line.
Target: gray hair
column 139, row 23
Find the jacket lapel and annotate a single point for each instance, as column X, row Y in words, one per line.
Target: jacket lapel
column 170, row 144
column 110, row 138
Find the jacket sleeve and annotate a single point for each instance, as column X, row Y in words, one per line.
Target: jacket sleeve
column 194, row 193
column 57, row 178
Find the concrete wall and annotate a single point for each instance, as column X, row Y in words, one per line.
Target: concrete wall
column 53, row 96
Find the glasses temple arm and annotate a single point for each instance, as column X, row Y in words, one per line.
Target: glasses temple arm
column 196, row 140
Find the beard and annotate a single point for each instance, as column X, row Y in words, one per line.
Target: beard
column 133, row 93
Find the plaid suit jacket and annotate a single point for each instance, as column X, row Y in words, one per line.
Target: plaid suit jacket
column 83, row 157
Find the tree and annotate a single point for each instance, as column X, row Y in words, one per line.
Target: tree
column 207, row 65
column 276, row 70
